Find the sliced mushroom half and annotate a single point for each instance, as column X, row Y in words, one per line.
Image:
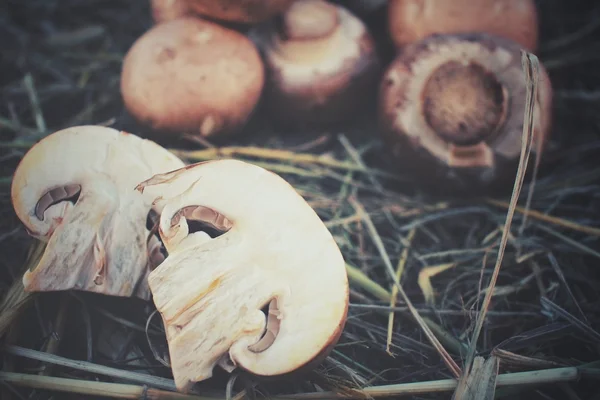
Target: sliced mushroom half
column 75, row 190
column 273, row 251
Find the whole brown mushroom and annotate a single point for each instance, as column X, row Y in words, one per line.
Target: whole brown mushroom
column 452, row 106
column 234, row 11
column 412, row 20
column 321, row 63
column 194, row 76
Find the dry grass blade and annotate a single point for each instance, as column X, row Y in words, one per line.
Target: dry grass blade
column 513, row 380
column 157, row 356
column 61, row 65
column 558, row 271
column 266, row 153
column 582, row 326
column 424, row 280
column 361, row 279
column 35, row 103
column 161, row 383
column 574, row 243
column 452, row 366
column 58, row 329
column 511, row 358
column 537, row 335
column 481, row 381
column 16, row 299
column 93, row 388
column 394, row 296
column 548, row 218
column 531, row 67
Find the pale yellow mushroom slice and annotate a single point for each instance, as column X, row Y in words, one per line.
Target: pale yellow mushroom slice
column 75, row 190
column 273, row 249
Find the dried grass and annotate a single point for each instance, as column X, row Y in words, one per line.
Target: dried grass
column 523, row 290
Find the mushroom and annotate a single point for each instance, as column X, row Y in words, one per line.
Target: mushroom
column 192, row 75
column 239, row 11
column 321, row 63
column 272, row 249
column 455, row 103
column 75, row 190
column 412, row 20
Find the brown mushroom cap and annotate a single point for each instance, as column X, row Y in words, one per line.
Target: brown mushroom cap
column 192, row 75
column 413, row 20
column 321, row 63
column 232, row 11
column 459, row 100
column 240, row 11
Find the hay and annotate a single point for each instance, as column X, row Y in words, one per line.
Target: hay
column 60, row 67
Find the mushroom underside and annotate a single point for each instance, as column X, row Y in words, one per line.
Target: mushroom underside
column 451, row 107
column 56, row 195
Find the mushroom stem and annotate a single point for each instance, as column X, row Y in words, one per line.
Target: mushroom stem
column 306, row 51
column 307, row 30
column 479, row 114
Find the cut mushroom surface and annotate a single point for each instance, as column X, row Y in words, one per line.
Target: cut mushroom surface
column 459, row 101
column 273, row 250
column 75, row 190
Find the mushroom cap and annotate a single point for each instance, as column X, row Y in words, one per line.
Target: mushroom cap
column 74, row 190
column 192, row 75
column 275, row 250
column 457, row 102
column 240, row 11
column 412, row 20
column 321, row 63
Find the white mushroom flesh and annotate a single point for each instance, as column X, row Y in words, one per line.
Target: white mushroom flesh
column 75, row 190
column 274, row 250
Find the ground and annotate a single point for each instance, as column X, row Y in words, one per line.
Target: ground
column 544, row 312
